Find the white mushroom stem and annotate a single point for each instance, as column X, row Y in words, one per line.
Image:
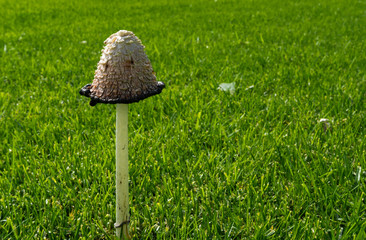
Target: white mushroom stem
column 122, row 206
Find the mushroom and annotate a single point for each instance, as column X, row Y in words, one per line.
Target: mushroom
column 124, row 75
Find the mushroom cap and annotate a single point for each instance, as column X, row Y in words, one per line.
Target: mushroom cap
column 124, row 73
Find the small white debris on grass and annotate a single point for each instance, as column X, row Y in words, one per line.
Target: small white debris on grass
column 84, row 42
column 358, row 174
column 227, row 87
column 326, row 124
column 324, row 120
column 250, row 87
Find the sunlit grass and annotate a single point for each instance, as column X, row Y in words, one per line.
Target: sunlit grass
column 204, row 163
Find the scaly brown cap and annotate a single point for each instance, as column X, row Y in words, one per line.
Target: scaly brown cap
column 124, row 73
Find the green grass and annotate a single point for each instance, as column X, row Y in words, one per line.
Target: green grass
column 204, row 163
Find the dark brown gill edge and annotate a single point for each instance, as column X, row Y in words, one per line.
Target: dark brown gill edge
column 85, row 91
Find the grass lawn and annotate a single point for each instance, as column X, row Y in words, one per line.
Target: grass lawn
column 254, row 163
